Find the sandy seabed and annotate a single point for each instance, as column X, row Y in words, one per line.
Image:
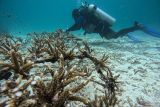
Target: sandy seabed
column 138, row 65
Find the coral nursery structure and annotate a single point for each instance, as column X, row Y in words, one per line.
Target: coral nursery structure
column 53, row 70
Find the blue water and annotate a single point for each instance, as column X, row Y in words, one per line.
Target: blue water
column 22, row 16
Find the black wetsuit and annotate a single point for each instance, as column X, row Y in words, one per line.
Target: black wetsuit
column 91, row 24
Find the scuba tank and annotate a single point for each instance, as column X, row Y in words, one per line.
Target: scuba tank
column 101, row 14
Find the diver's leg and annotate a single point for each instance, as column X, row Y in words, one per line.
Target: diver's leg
column 105, row 31
column 108, row 33
column 125, row 31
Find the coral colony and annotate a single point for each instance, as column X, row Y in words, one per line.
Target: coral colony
column 53, row 70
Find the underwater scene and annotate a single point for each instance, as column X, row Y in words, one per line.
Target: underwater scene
column 79, row 53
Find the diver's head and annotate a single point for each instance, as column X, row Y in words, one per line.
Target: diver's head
column 75, row 13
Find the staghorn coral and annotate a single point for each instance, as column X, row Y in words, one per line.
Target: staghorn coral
column 37, row 43
column 48, row 42
column 5, row 74
column 54, row 93
column 53, row 46
column 109, row 84
column 103, row 101
column 65, row 76
column 16, row 91
column 17, row 64
column 87, row 48
column 99, row 63
column 7, row 45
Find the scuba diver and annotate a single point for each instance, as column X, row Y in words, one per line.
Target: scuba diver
column 94, row 20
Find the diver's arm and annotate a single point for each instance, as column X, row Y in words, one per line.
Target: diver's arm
column 74, row 27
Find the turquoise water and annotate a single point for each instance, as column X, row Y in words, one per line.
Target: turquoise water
column 22, row 16
column 135, row 57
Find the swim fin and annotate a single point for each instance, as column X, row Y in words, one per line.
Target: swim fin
column 133, row 38
column 149, row 30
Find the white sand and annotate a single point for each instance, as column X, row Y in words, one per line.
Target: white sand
column 138, row 65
